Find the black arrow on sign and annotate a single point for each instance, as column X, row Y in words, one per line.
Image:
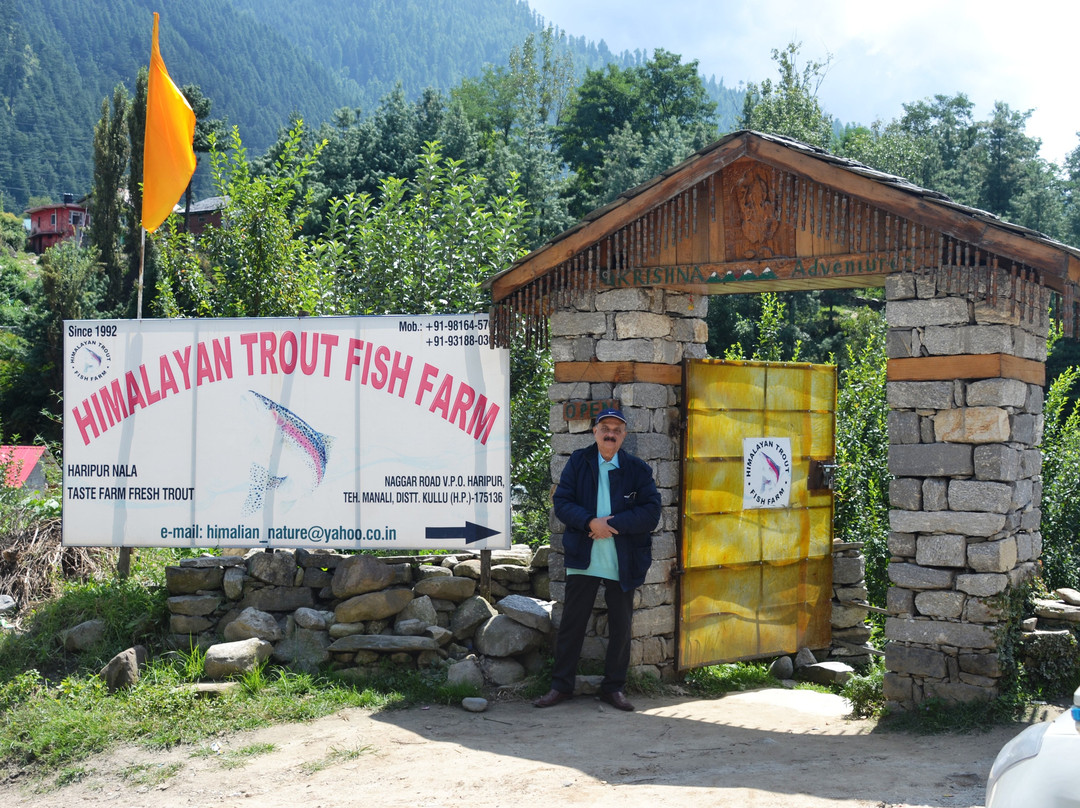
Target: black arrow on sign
column 469, row 532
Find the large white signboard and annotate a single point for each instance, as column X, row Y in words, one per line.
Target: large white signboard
column 340, row 433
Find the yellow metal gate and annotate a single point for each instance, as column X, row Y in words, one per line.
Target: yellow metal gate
column 756, row 581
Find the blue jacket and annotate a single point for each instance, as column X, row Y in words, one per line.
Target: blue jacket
column 635, row 511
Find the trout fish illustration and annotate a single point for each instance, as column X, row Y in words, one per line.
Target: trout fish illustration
column 766, row 481
column 300, row 467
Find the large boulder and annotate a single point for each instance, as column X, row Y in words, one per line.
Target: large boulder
column 421, row 609
column 383, row 643
column 232, row 658
column 277, row 568
column 519, row 554
column 83, row 636
column 502, row 636
column 826, row 673
column 431, row 571
column 189, row 624
column 503, row 670
column 466, row 672
column 527, row 611
column 470, row 614
column 469, row 568
column 510, row 573
column 123, row 670
column 253, row 623
column 270, row 598
column 194, row 605
column 359, row 574
column 303, row 648
column 447, row 587
column 233, row 582
column 373, row 606
column 188, row 580
column 314, row 619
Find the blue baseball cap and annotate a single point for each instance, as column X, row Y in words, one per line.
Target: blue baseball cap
column 611, row 413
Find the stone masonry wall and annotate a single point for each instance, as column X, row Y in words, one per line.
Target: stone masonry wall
column 355, row 613
column 966, row 489
column 630, row 325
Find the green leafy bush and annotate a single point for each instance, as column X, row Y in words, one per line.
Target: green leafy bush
column 1061, row 484
column 1051, row 664
column 864, row 691
column 862, row 457
column 12, row 232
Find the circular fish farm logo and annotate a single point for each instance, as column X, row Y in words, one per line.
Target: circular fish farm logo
column 766, row 472
column 90, row 360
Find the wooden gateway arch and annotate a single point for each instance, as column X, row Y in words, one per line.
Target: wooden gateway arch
column 621, row 299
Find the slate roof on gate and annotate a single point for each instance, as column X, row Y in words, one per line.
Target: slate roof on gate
column 935, row 198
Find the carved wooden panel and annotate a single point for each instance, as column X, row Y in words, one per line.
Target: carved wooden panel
column 753, row 227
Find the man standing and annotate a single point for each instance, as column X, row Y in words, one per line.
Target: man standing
column 608, row 501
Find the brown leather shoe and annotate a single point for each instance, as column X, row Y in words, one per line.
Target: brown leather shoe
column 617, row 700
column 552, row 697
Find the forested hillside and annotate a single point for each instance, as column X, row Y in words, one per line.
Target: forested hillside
column 260, row 63
column 60, row 59
column 376, row 44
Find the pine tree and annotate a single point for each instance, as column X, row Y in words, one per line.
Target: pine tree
column 107, row 210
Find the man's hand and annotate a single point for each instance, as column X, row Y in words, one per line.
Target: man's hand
column 600, row 529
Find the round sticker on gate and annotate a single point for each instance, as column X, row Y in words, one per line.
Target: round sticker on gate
column 766, row 472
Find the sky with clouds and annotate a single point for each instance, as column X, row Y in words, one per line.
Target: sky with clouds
column 883, row 54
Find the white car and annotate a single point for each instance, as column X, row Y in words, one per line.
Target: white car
column 1040, row 766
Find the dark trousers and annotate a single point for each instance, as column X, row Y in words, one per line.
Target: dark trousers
column 580, row 596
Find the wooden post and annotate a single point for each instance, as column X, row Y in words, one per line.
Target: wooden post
column 123, row 563
column 485, row 575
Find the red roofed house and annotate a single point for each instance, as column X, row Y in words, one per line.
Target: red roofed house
column 24, row 467
column 51, row 224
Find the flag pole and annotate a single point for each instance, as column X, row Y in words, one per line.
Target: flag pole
column 142, row 261
column 168, row 163
column 123, row 562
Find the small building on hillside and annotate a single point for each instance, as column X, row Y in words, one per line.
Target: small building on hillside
column 206, row 213
column 24, row 467
column 51, row 224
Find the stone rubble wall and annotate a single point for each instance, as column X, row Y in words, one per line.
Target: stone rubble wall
column 850, row 631
column 307, row 609
column 965, row 496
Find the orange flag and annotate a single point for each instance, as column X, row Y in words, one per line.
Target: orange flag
column 168, row 158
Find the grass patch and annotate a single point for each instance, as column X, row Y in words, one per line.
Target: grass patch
column 815, row 687
column 715, row 680
column 235, row 759
column 936, row 717
column 53, row 726
column 335, row 756
column 71, row 774
column 131, row 614
column 150, row 774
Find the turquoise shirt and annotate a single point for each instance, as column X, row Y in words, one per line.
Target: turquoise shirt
column 604, row 562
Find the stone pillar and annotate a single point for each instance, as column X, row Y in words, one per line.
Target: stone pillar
column 965, row 494
column 639, row 326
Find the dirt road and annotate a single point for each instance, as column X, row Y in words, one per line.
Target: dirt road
column 763, row 749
